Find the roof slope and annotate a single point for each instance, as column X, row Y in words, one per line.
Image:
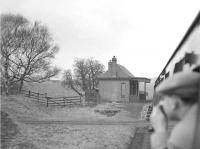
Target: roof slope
column 121, row 72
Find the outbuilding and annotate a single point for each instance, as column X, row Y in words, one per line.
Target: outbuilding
column 118, row 84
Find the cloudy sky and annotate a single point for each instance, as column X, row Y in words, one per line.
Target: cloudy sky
column 142, row 34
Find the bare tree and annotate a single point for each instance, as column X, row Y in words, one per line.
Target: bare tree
column 28, row 55
column 68, row 80
column 95, row 68
column 86, row 72
column 9, row 44
column 81, row 72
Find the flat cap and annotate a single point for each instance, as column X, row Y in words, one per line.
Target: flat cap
column 183, row 84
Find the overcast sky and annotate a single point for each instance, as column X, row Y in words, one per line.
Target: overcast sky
column 142, row 34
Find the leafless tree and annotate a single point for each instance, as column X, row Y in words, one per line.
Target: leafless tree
column 95, row 68
column 86, row 72
column 9, row 44
column 27, row 50
column 69, row 81
column 81, row 72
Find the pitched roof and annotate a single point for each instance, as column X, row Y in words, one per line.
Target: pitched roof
column 121, row 72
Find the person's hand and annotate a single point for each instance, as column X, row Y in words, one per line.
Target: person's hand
column 159, row 119
column 159, row 123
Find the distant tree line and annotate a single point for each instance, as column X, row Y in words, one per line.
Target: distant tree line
column 84, row 75
column 26, row 52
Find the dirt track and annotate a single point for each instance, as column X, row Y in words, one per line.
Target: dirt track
column 141, row 139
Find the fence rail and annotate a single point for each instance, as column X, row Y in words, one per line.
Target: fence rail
column 52, row 101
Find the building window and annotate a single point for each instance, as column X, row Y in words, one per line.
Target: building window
column 123, row 90
column 134, row 85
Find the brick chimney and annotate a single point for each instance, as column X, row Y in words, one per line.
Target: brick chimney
column 112, row 67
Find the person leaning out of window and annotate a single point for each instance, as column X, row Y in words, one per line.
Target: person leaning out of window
column 179, row 103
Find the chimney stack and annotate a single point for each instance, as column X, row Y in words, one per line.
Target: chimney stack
column 112, row 64
column 114, row 59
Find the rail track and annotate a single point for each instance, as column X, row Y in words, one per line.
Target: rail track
column 138, row 123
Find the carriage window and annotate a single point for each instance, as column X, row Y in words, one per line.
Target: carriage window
column 179, row 66
column 166, row 75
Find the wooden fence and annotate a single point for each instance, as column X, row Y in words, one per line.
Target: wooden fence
column 52, row 101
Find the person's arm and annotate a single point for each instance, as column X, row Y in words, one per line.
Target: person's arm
column 159, row 139
column 171, row 146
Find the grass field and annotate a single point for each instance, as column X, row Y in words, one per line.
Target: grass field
column 52, row 136
column 52, row 88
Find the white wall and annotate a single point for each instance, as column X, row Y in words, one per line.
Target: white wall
column 111, row 90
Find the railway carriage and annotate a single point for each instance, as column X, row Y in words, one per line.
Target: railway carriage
column 186, row 57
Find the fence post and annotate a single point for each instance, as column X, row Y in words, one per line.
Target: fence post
column 29, row 93
column 47, row 99
column 38, row 97
column 83, row 99
column 64, row 101
column 98, row 98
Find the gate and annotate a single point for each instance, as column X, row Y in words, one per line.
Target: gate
column 91, row 97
